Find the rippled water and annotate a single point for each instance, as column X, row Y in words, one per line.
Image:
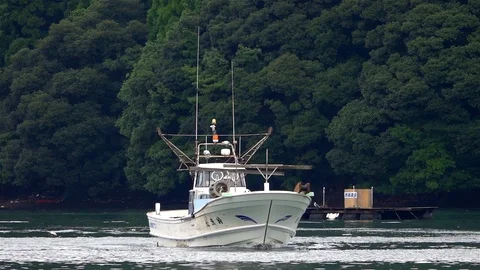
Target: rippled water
column 120, row 240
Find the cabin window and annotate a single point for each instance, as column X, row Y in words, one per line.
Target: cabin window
column 191, row 197
column 238, row 179
column 204, row 196
column 203, row 179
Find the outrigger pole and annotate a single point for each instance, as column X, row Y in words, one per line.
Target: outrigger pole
column 185, row 161
column 250, row 152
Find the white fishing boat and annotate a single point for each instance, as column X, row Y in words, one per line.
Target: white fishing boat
column 221, row 209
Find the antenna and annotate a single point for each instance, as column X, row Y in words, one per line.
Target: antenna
column 233, row 111
column 196, row 97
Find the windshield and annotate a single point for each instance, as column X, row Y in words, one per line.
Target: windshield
column 206, row 178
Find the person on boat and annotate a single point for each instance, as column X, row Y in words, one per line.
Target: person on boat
column 302, row 187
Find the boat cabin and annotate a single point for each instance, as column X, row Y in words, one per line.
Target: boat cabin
column 211, row 179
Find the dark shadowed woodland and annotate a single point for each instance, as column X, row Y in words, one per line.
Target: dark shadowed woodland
column 382, row 93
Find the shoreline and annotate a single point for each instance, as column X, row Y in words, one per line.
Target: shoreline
column 17, row 204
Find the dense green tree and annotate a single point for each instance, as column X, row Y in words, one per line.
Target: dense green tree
column 24, row 22
column 156, row 96
column 163, row 14
column 278, row 82
column 421, row 88
column 370, row 92
column 62, row 104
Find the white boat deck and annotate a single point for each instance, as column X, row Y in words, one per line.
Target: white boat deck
column 173, row 214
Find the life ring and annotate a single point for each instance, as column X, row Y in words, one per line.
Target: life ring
column 217, row 175
column 217, row 188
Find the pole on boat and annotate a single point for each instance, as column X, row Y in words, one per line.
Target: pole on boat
column 233, row 111
column 240, row 146
column 266, row 185
column 157, row 208
column 196, row 96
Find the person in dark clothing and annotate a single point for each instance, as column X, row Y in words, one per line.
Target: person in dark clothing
column 302, row 187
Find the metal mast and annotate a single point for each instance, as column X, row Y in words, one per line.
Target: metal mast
column 196, row 96
column 233, row 112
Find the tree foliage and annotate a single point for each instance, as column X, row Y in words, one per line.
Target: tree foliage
column 276, row 84
column 419, row 82
column 22, row 23
column 385, row 90
column 60, row 103
column 370, row 92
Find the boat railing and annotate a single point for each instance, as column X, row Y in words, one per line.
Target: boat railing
column 203, row 150
column 224, row 151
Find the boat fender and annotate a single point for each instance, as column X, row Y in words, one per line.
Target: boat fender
column 218, row 187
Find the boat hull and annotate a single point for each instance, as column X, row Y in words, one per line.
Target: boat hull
column 269, row 217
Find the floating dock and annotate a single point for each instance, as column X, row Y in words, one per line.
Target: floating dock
column 375, row 213
column 358, row 205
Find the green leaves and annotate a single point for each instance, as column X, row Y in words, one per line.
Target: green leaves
column 418, row 65
column 427, row 170
column 387, row 91
column 62, row 103
column 22, row 23
column 163, row 14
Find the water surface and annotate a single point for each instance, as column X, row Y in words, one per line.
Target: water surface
column 120, row 240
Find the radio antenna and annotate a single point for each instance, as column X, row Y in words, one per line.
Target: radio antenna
column 196, row 96
column 233, row 110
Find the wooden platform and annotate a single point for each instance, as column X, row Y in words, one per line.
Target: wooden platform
column 383, row 213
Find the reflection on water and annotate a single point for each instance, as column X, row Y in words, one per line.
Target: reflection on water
column 120, row 240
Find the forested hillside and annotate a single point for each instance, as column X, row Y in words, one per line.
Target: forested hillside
column 59, row 103
column 381, row 93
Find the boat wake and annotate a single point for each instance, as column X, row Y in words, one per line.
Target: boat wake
column 74, row 232
column 263, row 246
